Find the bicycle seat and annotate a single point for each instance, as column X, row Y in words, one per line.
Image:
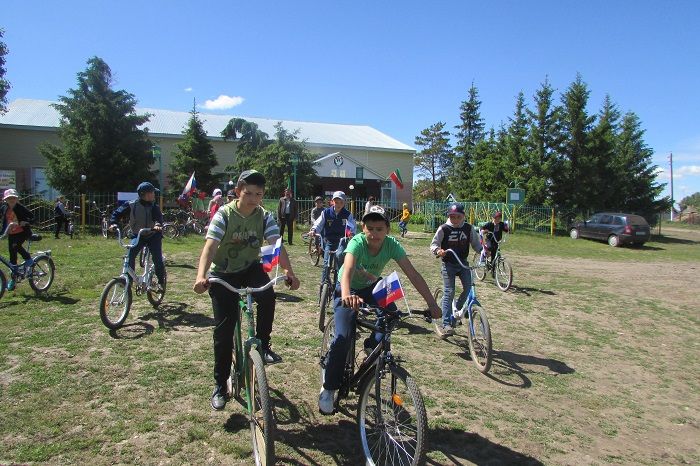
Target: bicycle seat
column 35, row 238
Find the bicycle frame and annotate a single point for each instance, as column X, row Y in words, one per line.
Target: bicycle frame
column 128, row 273
column 471, row 296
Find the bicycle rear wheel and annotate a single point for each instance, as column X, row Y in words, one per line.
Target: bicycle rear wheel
column 397, row 436
column 41, row 274
column 262, row 422
column 115, row 303
column 504, row 274
column 170, row 230
column 314, row 254
column 326, row 297
column 156, row 292
column 479, row 337
column 479, row 267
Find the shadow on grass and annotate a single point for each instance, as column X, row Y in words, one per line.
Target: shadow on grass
column 170, row 316
column 459, row 446
column 132, row 331
column 506, row 368
column 59, row 297
column 288, row 298
column 180, row 266
column 669, row 240
column 526, row 290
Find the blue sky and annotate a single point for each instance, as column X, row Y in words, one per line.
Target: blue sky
column 398, row 66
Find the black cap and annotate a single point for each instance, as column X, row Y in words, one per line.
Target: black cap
column 252, row 177
column 231, row 193
column 455, row 208
column 318, row 198
column 376, row 212
column 146, row 187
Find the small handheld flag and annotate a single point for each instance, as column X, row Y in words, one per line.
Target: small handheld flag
column 388, row 290
column 395, row 176
column 271, row 255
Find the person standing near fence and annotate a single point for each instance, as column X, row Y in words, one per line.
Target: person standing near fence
column 60, row 216
column 286, row 214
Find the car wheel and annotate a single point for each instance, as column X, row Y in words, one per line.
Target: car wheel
column 613, row 241
column 573, row 233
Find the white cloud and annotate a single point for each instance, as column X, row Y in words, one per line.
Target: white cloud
column 223, row 102
column 678, row 172
column 187, row 89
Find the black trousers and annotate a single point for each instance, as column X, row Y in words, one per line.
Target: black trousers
column 289, row 223
column 15, row 245
column 225, row 305
column 61, row 220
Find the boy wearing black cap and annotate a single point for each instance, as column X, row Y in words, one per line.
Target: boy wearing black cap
column 493, row 232
column 231, row 252
column 455, row 234
column 365, row 258
column 144, row 213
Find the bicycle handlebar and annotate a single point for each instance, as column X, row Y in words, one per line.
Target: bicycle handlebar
column 247, row 290
column 7, row 229
column 458, row 259
column 138, row 237
column 502, row 240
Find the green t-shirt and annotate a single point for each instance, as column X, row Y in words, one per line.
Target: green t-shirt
column 240, row 238
column 391, row 249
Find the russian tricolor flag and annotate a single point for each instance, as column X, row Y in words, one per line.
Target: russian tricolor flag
column 190, row 186
column 388, row 290
column 271, row 255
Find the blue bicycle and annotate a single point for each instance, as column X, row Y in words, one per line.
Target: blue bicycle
column 473, row 315
column 40, row 274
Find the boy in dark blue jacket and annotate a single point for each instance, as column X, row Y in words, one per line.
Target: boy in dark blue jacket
column 332, row 225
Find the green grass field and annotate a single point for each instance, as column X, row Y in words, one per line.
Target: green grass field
column 595, row 363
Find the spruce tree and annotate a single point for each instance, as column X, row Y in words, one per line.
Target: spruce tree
column 436, row 156
column 4, row 83
column 605, row 177
column 515, row 164
column 469, row 132
column 487, row 182
column 100, row 137
column 194, row 153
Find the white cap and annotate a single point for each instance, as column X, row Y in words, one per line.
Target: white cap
column 9, row 193
column 339, row 195
column 217, row 191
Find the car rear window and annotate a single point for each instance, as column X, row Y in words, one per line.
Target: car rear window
column 636, row 220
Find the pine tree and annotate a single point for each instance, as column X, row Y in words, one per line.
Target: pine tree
column 572, row 178
column 545, row 140
column 515, row 164
column 194, row 153
column 469, row 132
column 100, row 137
column 4, row 83
column 436, row 156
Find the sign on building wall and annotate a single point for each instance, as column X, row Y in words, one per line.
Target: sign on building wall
column 8, row 179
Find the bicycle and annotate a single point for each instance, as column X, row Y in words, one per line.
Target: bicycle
column 70, row 216
column 478, row 328
column 104, row 220
column 116, row 298
column 40, row 274
column 391, row 414
column 315, row 250
column 327, row 287
column 248, row 370
column 499, row 267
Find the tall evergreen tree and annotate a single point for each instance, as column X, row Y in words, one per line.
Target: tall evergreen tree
column 515, row 164
column 487, row 182
column 572, row 170
column 545, row 140
column 435, row 157
column 637, row 187
column 194, row 153
column 469, row 132
column 602, row 148
column 100, row 137
column 4, row 83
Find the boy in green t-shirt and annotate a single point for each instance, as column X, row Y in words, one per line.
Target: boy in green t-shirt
column 365, row 258
column 231, row 252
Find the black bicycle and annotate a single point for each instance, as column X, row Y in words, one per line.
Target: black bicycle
column 391, row 414
column 327, row 288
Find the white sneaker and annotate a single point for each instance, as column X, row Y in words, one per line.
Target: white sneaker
column 326, row 401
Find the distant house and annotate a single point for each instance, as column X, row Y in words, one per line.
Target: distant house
column 688, row 215
column 355, row 155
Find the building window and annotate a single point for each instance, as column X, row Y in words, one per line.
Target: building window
column 334, row 173
column 359, row 173
column 342, row 173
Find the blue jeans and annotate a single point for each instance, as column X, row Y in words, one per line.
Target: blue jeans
column 344, row 328
column 155, row 244
column 449, row 272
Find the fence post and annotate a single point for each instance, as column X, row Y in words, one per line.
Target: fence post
column 471, row 215
column 552, row 232
column 513, row 229
column 82, row 213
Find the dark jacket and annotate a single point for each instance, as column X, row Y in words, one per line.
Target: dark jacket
column 155, row 216
column 292, row 208
column 23, row 215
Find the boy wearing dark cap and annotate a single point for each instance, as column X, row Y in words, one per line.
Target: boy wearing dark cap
column 455, row 234
column 493, row 233
column 231, row 252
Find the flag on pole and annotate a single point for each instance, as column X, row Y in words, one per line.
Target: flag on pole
column 388, row 290
column 289, row 183
column 190, row 186
column 271, row 255
column 395, row 176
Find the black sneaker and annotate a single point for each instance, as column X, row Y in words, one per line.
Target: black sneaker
column 219, row 397
column 270, row 357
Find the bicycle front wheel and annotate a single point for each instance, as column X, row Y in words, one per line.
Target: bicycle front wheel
column 392, row 419
column 105, row 228
column 323, row 305
column 479, row 267
column 170, row 231
column 3, row 283
column 115, row 303
column 42, row 273
column 504, row 274
column 479, row 337
column 262, row 422
column 314, row 253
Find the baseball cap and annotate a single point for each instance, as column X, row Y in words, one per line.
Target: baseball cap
column 318, row 198
column 231, row 193
column 455, row 208
column 217, row 191
column 252, row 177
column 339, row 195
column 9, row 193
column 146, row 187
column 376, row 212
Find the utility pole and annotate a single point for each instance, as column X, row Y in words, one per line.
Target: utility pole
column 670, row 160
